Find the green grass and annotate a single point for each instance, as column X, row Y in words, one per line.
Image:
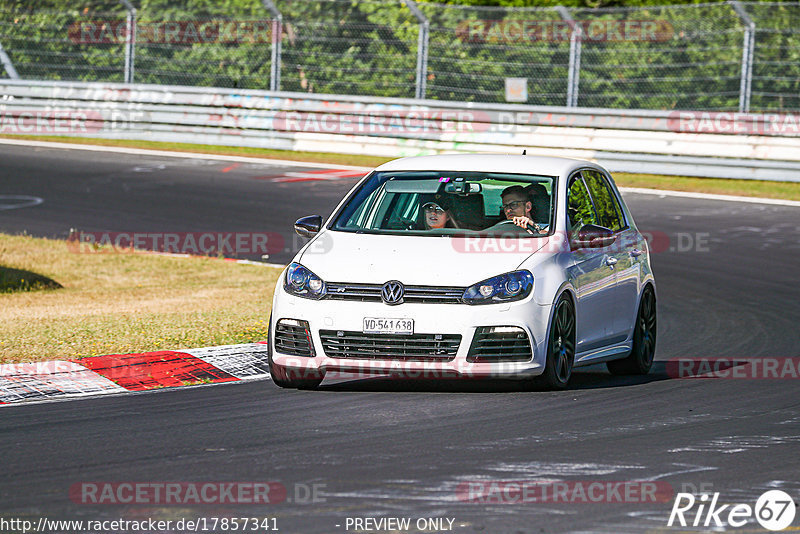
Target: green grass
column 113, row 303
column 752, row 188
column 746, row 188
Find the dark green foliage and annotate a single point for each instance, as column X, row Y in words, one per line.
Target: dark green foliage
column 14, row 280
column 369, row 47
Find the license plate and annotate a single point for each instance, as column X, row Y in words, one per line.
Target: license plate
column 383, row 325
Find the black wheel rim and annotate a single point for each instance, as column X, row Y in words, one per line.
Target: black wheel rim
column 646, row 328
column 563, row 341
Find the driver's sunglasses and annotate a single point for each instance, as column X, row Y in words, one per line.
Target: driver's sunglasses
column 434, row 209
column 513, row 205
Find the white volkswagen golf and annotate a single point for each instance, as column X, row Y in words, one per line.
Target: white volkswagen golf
column 471, row 266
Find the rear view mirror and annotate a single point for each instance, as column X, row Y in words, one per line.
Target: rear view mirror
column 593, row 236
column 308, row 226
column 463, row 188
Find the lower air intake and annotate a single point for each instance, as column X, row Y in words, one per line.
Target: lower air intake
column 293, row 337
column 500, row 344
column 414, row 347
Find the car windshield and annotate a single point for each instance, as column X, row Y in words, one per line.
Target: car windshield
column 449, row 203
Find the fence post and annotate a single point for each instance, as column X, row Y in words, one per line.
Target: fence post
column 277, row 42
column 130, row 41
column 574, row 69
column 422, row 49
column 748, row 52
column 6, row 61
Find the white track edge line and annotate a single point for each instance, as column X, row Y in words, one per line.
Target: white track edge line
column 186, row 155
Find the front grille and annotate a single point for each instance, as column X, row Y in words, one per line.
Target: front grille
column 414, row 347
column 293, row 337
column 415, row 294
column 500, row 344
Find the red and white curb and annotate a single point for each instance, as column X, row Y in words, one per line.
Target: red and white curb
column 120, row 373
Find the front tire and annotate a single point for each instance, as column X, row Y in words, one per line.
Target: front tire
column 290, row 378
column 560, row 347
column 643, row 351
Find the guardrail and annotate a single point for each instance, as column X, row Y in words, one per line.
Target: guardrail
column 712, row 144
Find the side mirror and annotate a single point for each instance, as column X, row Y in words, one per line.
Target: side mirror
column 593, row 236
column 308, row 226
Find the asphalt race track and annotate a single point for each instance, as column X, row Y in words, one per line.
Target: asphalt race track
column 727, row 287
column 108, row 192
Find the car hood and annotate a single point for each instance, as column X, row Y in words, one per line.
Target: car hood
column 414, row 260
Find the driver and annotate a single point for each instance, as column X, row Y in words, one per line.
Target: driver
column 517, row 208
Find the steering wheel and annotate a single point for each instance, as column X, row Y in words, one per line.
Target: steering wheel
column 407, row 223
column 397, row 223
column 528, row 227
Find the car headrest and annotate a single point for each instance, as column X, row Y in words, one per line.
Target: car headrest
column 540, row 200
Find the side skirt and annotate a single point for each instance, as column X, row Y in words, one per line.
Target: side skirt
column 614, row 352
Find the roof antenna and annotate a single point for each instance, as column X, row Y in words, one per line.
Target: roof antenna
column 525, row 152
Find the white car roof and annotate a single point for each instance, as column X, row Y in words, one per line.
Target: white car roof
column 518, row 164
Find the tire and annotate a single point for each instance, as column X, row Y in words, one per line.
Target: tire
column 290, row 378
column 643, row 351
column 560, row 347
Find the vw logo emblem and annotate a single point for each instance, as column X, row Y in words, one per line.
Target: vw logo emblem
column 392, row 292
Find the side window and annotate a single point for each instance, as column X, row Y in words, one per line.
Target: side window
column 365, row 211
column 579, row 207
column 401, row 211
column 609, row 213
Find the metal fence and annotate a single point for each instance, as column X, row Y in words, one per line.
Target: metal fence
column 725, row 56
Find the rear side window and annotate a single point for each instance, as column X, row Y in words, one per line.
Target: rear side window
column 579, row 206
column 608, row 209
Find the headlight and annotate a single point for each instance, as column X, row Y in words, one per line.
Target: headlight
column 504, row 288
column 303, row 283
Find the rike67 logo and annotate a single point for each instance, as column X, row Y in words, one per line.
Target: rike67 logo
column 774, row 510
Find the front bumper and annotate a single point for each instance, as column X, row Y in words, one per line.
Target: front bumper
column 446, row 319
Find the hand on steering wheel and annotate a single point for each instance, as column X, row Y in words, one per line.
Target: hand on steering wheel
column 528, row 224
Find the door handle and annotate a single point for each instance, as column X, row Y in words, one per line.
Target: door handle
column 636, row 252
column 611, row 261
